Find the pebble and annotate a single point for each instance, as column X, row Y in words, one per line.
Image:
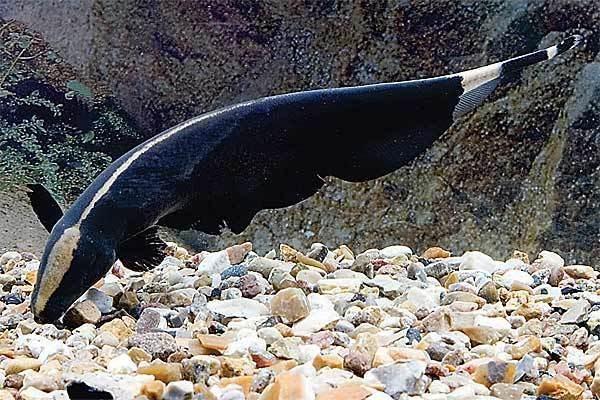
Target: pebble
column 103, row 301
column 21, row 364
column 291, row 304
column 85, row 312
column 238, row 308
column 178, row 390
column 158, row 344
column 165, row 372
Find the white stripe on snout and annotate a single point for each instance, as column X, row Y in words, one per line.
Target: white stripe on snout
column 58, row 263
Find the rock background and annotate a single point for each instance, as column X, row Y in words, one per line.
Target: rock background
column 521, row 172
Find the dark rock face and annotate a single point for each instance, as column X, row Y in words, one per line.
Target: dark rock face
column 521, row 172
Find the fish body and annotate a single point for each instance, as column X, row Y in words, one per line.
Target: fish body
column 221, row 168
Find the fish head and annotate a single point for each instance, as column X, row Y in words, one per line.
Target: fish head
column 73, row 261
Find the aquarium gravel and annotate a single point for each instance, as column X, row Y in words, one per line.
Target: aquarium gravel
column 326, row 324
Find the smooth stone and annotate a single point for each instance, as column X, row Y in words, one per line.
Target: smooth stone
column 42, row 381
column 102, row 300
column 238, row 252
column 153, row 390
column 462, row 297
column 265, row 266
column 423, row 299
column 269, row 335
column 334, row 286
column 165, row 372
column 581, row 272
column 507, row 391
column 287, row 348
column 121, row 365
column 214, row 263
column 310, row 276
column 548, row 259
column 395, row 251
column 291, row 304
column 32, row 393
column 22, row 364
column 476, row 260
column 400, row 378
column 577, row 313
column 322, row 313
column 13, row 256
column 513, row 276
column 436, row 252
column 289, row 385
column 118, row 328
column 238, row 308
column 178, row 390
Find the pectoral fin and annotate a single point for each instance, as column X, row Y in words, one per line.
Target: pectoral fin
column 44, row 205
column 143, row 251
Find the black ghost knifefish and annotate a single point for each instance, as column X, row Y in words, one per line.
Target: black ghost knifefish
column 222, row 167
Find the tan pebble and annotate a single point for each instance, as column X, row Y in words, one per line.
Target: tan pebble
column 291, row 304
column 345, row 392
column 43, row 382
column 529, row 311
column 285, row 330
column 85, row 312
column 328, row 360
column 389, row 355
column 204, row 392
column 292, row 255
column 8, row 352
column 526, row 345
column 32, row 393
column 436, row 252
column 451, row 279
column 233, row 366
column 237, row 253
column 284, row 365
column 153, row 390
column 560, row 388
column 244, row 381
column 6, row 395
column 138, row 355
column 166, row 372
column 118, row 328
column 215, row 342
column 30, row 277
column 194, row 347
column 21, row 364
column 287, row 386
column 580, row 272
